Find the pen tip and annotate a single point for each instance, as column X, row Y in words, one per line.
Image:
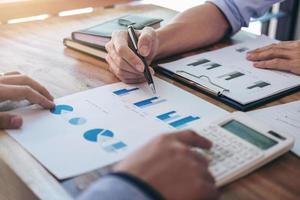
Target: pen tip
column 153, row 88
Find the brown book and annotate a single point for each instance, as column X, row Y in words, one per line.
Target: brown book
column 99, row 53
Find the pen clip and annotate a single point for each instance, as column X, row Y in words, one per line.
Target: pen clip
column 132, row 36
column 125, row 22
column 216, row 93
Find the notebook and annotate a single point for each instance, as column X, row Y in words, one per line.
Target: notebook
column 228, row 76
column 96, row 52
column 97, row 36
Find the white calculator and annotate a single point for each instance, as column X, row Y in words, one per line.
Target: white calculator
column 241, row 145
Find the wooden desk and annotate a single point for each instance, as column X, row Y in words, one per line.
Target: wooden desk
column 36, row 49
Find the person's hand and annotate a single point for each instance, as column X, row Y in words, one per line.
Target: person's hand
column 16, row 87
column 122, row 60
column 170, row 166
column 284, row 56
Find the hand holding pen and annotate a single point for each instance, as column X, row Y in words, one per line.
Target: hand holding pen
column 123, row 61
column 134, row 45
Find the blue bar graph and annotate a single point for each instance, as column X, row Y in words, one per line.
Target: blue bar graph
column 124, row 91
column 149, row 102
column 168, row 116
column 184, row 121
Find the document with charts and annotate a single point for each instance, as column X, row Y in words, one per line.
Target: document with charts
column 92, row 129
column 283, row 118
column 230, row 74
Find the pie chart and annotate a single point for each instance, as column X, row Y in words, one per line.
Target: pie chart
column 77, row 121
column 98, row 135
column 61, row 109
column 106, row 139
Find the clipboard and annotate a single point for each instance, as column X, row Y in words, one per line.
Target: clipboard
column 219, row 94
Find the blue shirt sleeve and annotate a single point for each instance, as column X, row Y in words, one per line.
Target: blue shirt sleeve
column 239, row 12
column 113, row 188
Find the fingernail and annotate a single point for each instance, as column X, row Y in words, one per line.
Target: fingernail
column 140, row 67
column 256, row 64
column 51, row 98
column 144, row 50
column 16, row 122
column 51, row 105
column 152, row 71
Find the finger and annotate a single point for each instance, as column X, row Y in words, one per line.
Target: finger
column 208, row 176
column 146, row 41
column 123, row 75
column 121, row 72
column 135, row 80
column 17, row 93
column 11, row 73
column 199, row 158
column 296, row 70
column 278, row 64
column 192, row 139
column 258, row 50
column 25, row 80
column 121, row 63
column 120, row 41
column 152, row 71
column 210, row 189
column 282, row 45
column 269, row 54
column 9, row 121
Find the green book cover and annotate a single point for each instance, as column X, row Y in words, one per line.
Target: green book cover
column 105, row 29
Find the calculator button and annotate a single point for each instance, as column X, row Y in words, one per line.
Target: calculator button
column 218, row 170
column 230, row 164
column 238, row 159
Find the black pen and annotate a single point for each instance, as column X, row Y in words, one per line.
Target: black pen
column 134, row 45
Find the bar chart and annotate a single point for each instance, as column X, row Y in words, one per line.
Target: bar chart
column 125, row 91
column 149, row 102
column 168, row 116
column 231, row 75
column 199, row 62
column 210, row 66
column 259, row 84
column 175, row 120
column 242, row 49
column 184, row 121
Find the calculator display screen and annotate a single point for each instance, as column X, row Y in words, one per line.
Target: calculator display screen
column 249, row 134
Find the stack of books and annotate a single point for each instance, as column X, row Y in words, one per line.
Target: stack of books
column 92, row 40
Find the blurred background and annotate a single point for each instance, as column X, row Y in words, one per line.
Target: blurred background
column 281, row 22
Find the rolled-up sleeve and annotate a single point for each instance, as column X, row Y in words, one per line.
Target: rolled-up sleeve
column 239, row 12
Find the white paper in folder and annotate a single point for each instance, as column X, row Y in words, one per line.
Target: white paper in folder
column 227, row 71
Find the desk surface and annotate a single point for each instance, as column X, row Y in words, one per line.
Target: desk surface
column 36, row 49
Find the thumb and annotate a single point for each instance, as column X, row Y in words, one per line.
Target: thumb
column 9, row 121
column 192, row 139
column 146, row 41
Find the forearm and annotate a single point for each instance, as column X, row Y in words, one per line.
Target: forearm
column 197, row 27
